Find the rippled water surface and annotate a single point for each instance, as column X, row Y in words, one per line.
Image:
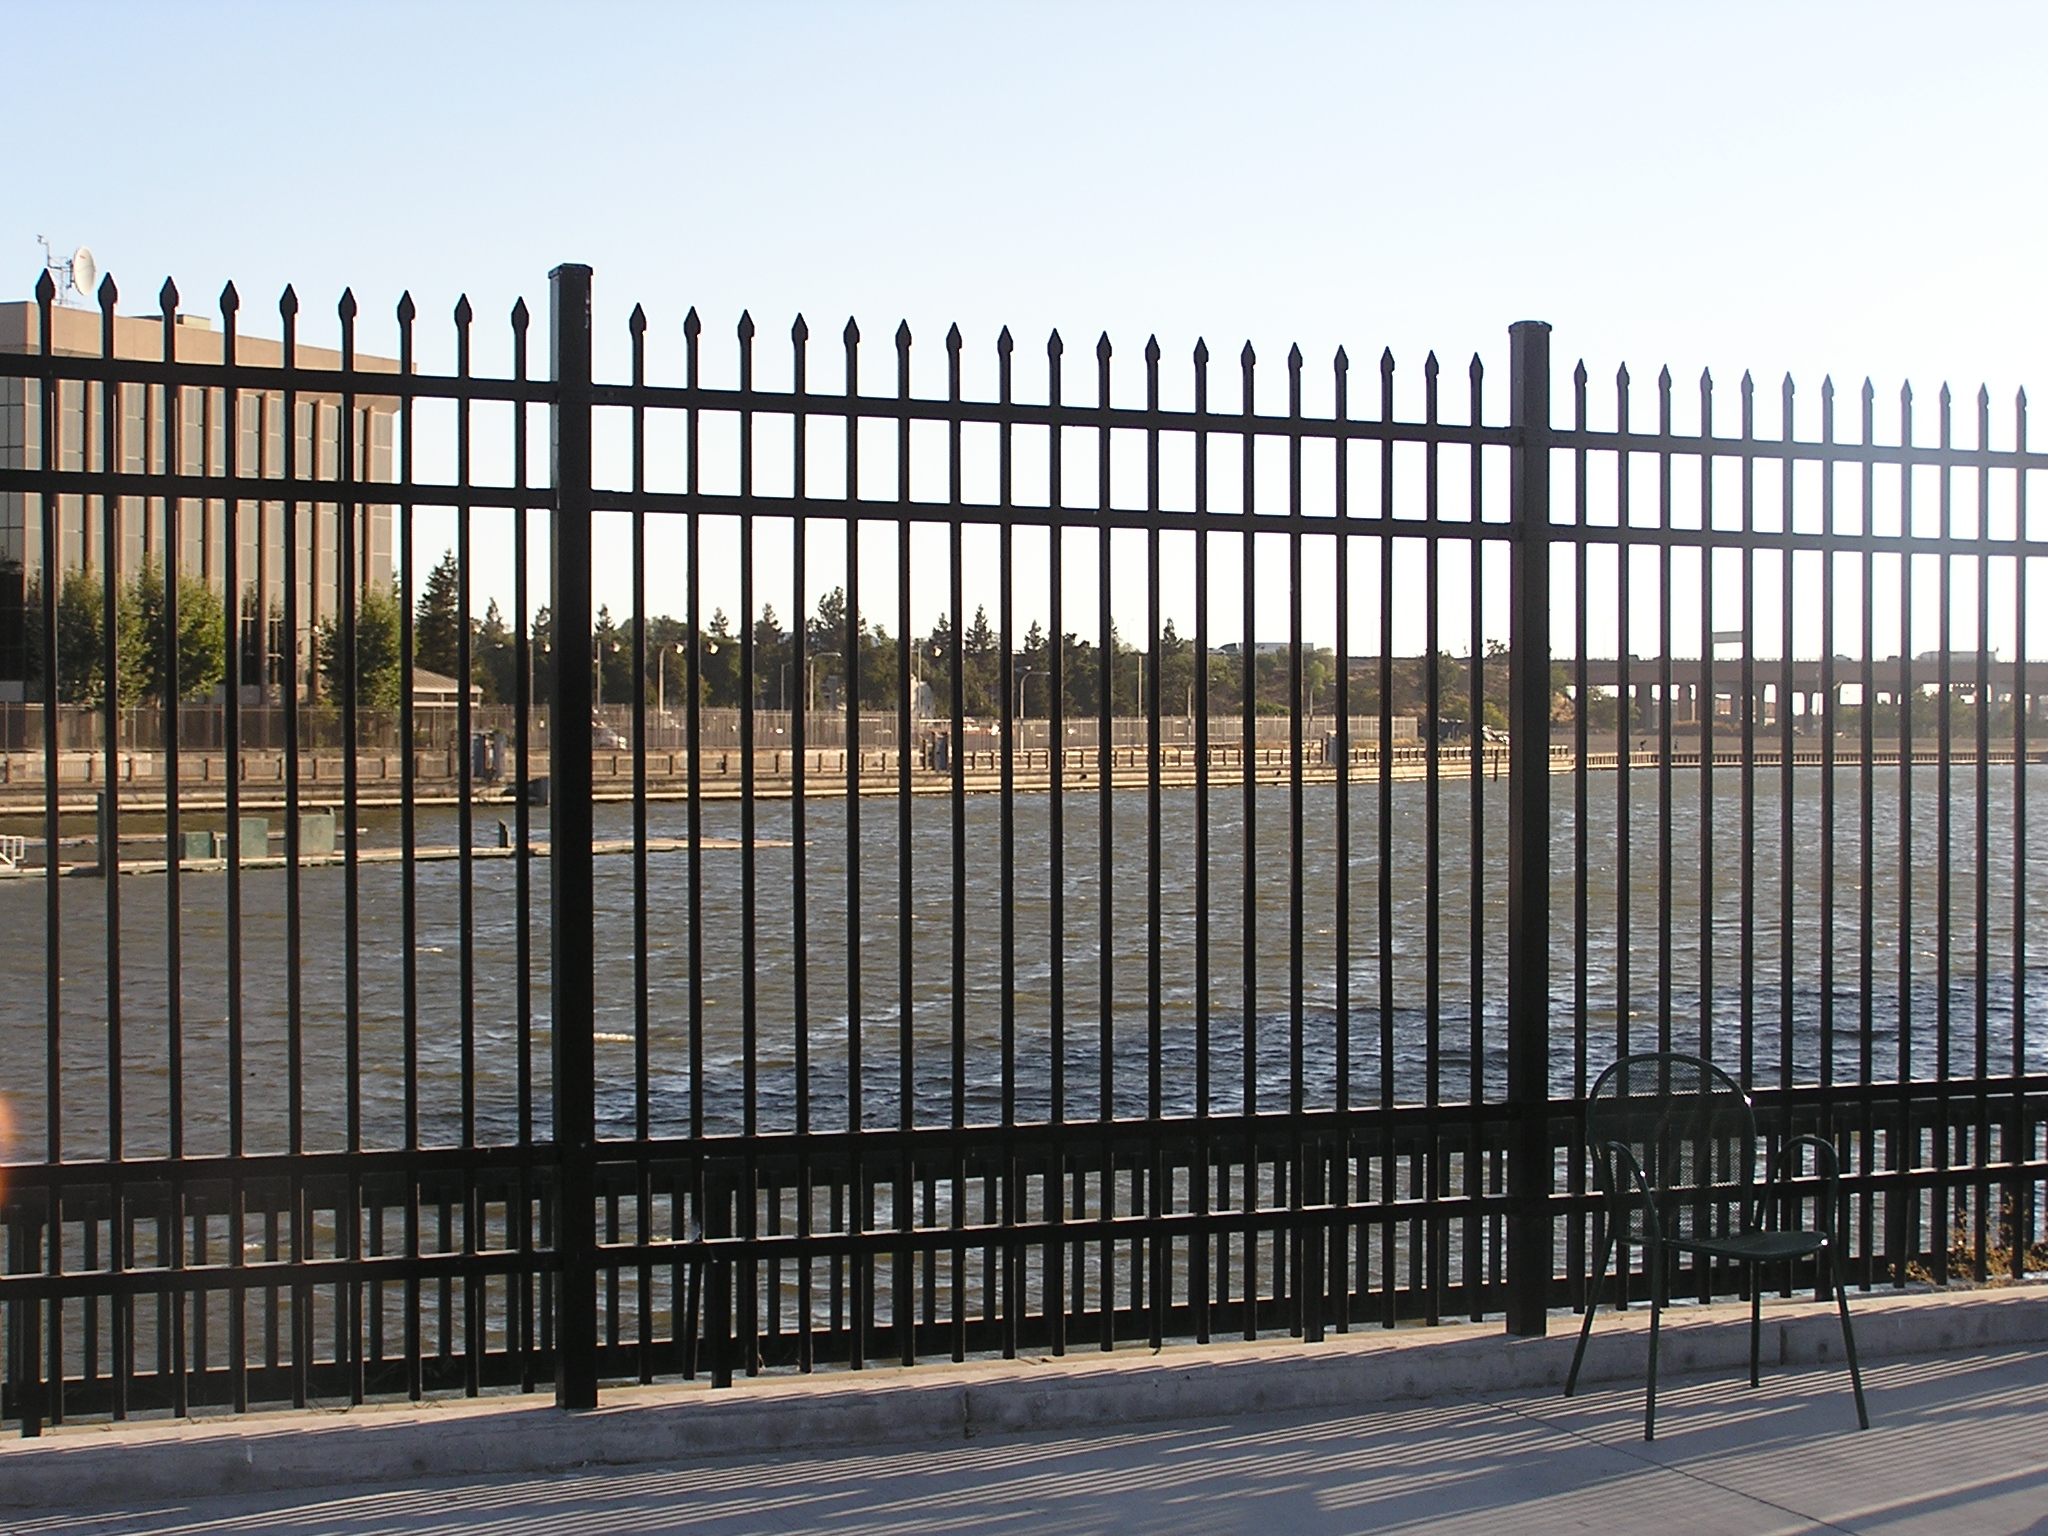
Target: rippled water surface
column 1295, row 1044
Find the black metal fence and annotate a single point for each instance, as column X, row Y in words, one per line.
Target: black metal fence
column 1014, row 1044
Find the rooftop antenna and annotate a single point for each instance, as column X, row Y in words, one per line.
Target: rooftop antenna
column 79, row 272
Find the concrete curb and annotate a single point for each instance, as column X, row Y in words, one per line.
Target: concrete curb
column 102, row 1465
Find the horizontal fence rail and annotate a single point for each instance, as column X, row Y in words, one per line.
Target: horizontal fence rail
column 1209, row 926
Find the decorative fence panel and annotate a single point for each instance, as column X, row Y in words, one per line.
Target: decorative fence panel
column 1448, row 759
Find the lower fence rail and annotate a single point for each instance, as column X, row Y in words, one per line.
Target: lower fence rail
column 733, row 1256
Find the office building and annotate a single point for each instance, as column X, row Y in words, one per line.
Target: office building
column 146, row 422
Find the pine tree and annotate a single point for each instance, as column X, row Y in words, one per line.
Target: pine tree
column 770, row 659
column 721, row 662
column 495, row 657
column 827, row 632
column 980, row 639
column 437, row 621
column 982, row 671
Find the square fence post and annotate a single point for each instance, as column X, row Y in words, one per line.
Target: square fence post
column 571, row 898
column 1529, row 1161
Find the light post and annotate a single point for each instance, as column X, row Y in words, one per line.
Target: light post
column 661, row 677
column 811, row 674
column 917, row 681
column 1022, row 695
column 597, row 656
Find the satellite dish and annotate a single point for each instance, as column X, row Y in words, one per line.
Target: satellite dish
column 84, row 270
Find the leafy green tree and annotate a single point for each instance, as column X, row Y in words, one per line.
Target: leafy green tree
column 202, row 634
column 877, row 668
column 377, row 659
column 81, row 609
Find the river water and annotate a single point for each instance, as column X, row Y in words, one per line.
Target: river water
column 1665, row 991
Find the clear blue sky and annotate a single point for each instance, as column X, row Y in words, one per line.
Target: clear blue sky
column 1854, row 188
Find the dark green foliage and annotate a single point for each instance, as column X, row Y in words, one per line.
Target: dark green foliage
column 377, row 659
column 202, row 635
column 142, row 622
column 437, row 620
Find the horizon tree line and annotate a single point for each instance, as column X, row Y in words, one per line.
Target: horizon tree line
column 777, row 683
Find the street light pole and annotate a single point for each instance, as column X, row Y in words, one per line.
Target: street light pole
column 661, row 675
column 597, row 656
column 811, row 674
column 1022, row 695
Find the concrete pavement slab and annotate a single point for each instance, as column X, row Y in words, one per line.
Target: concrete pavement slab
column 1961, row 1442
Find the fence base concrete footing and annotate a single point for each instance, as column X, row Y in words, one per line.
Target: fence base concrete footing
column 124, row 1465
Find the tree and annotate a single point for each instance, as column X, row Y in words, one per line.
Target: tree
column 541, row 657
column 202, row 635
column 825, row 637
column 1082, row 684
column 612, row 650
column 377, row 660
column 877, row 671
column 933, row 665
column 496, row 658
column 983, row 650
column 721, row 663
column 827, row 631
column 81, row 606
column 1176, row 667
column 438, row 619
column 771, row 651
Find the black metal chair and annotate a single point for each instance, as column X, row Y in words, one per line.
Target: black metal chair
column 1674, row 1144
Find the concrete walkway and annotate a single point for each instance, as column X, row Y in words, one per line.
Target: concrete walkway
column 1960, row 1443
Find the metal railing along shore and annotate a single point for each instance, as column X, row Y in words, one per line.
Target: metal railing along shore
column 942, row 1060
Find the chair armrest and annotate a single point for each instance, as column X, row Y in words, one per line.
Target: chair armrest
column 1652, row 1219
column 1827, row 1164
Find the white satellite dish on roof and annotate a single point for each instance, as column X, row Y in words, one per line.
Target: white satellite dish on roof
column 85, row 271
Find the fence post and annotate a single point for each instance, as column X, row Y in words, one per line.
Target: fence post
column 1529, row 1162
column 571, row 900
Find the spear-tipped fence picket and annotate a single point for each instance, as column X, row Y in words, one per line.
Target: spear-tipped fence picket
column 885, row 1070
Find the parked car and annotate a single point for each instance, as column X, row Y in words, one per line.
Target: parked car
column 603, row 738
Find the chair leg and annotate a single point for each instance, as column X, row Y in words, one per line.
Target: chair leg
column 1848, row 1339
column 692, row 1295
column 1756, row 1319
column 1592, row 1305
column 1656, row 1266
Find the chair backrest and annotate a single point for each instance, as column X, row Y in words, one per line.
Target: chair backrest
column 1690, row 1127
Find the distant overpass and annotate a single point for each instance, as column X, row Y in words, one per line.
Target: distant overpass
column 1810, row 682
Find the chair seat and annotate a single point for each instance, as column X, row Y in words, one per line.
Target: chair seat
column 1754, row 1247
